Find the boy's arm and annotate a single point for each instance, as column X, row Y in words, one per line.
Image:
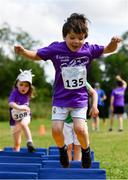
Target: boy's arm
column 26, row 53
column 112, row 46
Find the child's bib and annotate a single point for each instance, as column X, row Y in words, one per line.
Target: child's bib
column 19, row 115
column 74, row 77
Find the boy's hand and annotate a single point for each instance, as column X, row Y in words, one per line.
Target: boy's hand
column 112, row 46
column 116, row 39
column 19, row 49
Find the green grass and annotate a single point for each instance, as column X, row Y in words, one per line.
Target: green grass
column 110, row 148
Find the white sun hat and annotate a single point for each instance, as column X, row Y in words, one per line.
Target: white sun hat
column 25, row 75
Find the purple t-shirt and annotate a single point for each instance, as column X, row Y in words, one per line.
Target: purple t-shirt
column 17, row 97
column 118, row 94
column 61, row 56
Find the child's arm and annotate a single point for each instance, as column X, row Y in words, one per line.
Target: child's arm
column 112, row 46
column 26, row 53
column 19, row 107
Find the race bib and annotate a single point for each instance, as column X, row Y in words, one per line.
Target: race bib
column 74, row 77
column 19, row 115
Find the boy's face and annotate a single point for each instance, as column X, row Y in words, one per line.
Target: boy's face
column 74, row 41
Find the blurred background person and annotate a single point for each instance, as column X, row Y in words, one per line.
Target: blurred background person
column 117, row 103
column 101, row 107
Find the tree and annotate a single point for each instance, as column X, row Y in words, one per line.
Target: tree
column 124, row 47
column 95, row 72
column 10, row 64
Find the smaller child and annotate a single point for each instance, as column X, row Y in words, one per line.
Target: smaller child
column 20, row 115
column 70, row 136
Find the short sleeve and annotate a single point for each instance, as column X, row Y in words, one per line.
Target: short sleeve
column 96, row 50
column 88, row 86
column 47, row 52
column 12, row 97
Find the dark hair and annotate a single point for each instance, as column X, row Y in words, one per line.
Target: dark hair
column 76, row 23
column 119, row 83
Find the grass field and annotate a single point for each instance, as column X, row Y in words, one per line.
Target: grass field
column 110, row 148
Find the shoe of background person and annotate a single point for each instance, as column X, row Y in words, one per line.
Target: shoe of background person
column 97, row 129
column 86, row 158
column 120, row 130
column 30, row 147
column 64, row 157
column 110, row 129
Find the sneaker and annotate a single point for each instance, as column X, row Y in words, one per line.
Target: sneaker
column 64, row 157
column 110, row 129
column 86, row 158
column 120, row 130
column 97, row 129
column 31, row 147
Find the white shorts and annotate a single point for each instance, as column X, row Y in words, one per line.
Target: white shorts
column 61, row 113
column 70, row 136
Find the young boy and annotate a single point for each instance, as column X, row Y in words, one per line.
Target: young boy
column 71, row 59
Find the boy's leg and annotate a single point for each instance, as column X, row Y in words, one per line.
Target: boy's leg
column 81, row 130
column 57, row 133
column 86, row 157
column 59, row 114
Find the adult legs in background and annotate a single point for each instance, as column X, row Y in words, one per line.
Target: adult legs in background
column 120, row 121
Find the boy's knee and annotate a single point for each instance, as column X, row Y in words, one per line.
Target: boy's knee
column 56, row 131
column 80, row 130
